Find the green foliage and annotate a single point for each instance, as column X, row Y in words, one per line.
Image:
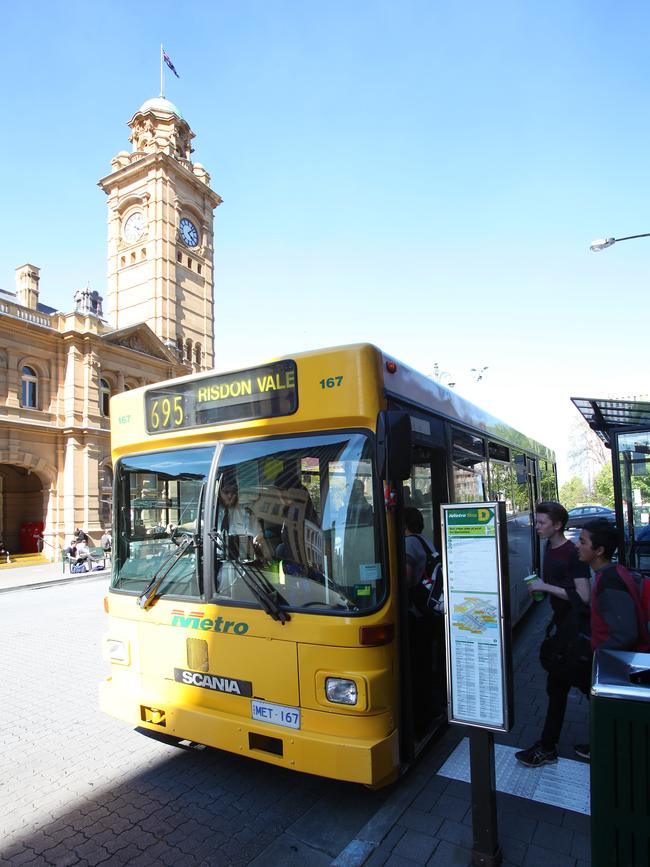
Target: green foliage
column 604, row 486
column 573, row 492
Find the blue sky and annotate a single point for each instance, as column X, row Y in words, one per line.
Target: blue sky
column 421, row 175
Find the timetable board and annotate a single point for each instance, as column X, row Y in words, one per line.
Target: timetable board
column 477, row 615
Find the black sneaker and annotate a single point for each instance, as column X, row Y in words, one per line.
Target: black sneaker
column 583, row 751
column 536, row 755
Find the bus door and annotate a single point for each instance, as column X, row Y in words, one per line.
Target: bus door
column 423, row 486
column 426, row 489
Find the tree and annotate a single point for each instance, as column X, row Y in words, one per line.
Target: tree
column 573, row 492
column 604, row 485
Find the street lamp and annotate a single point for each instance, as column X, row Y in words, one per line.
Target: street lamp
column 442, row 375
column 603, row 243
column 478, row 373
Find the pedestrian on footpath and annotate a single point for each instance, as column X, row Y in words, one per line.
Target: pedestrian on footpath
column 566, row 582
column 4, row 552
column 618, row 621
column 106, row 541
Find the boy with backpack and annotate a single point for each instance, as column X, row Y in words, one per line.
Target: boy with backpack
column 566, row 582
column 619, row 615
column 421, row 558
column 424, row 630
column 618, row 618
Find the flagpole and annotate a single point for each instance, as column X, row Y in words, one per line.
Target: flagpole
column 161, row 71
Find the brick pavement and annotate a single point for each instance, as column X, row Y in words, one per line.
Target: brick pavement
column 428, row 818
column 65, row 800
column 80, row 788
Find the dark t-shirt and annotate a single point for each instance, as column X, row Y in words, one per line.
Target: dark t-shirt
column 561, row 567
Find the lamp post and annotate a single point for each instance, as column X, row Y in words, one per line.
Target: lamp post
column 478, row 373
column 603, row 243
column 442, row 376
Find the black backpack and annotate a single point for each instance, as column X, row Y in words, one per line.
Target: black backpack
column 566, row 650
column 431, row 559
column 426, row 595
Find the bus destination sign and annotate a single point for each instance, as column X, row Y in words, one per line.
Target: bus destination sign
column 262, row 392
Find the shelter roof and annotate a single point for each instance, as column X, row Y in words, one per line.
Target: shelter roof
column 608, row 415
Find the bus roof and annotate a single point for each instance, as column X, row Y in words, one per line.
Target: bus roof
column 403, row 384
column 409, row 385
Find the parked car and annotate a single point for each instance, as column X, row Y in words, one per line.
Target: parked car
column 579, row 516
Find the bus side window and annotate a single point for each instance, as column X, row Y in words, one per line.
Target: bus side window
column 417, row 493
column 469, row 467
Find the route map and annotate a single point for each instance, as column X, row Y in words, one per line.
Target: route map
column 475, row 615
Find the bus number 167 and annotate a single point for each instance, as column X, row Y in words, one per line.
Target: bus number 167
column 331, row 382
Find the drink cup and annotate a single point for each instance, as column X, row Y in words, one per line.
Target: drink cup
column 538, row 595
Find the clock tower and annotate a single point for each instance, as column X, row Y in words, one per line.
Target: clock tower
column 160, row 235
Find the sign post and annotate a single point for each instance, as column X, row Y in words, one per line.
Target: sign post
column 479, row 657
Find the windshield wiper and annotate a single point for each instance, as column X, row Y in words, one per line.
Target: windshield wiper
column 149, row 594
column 261, row 588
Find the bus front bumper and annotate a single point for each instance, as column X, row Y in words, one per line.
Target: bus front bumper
column 371, row 762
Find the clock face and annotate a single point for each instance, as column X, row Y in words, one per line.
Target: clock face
column 189, row 233
column 133, row 227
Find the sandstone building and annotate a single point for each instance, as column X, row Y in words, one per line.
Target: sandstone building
column 59, row 369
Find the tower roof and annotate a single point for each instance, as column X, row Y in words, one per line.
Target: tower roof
column 159, row 103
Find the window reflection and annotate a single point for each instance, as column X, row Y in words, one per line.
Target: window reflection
column 634, row 459
column 160, row 495
column 305, row 521
column 469, row 468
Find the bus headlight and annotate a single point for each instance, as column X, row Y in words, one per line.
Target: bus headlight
column 341, row 691
column 117, row 651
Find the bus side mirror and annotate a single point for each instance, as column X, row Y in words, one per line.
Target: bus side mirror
column 393, row 445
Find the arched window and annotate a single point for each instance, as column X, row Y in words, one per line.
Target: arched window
column 179, row 346
column 104, row 397
column 29, row 387
column 197, row 353
column 188, row 350
column 105, row 496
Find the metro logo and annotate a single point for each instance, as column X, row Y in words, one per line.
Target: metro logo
column 196, row 620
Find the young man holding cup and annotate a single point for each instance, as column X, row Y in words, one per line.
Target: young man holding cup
column 563, row 576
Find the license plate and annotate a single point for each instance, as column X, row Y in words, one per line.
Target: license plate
column 278, row 714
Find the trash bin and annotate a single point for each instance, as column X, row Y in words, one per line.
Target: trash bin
column 620, row 759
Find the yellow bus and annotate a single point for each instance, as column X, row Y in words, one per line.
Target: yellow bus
column 258, row 601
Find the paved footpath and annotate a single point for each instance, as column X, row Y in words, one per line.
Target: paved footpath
column 428, row 818
column 423, row 819
column 42, row 575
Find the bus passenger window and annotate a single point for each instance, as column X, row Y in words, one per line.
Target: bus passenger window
column 469, row 468
column 420, row 493
column 548, row 481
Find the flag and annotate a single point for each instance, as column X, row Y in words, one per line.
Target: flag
column 167, row 60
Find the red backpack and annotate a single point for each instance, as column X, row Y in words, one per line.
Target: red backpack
column 638, row 586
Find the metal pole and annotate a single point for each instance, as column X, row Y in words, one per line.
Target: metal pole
column 485, row 850
column 161, row 71
column 630, row 237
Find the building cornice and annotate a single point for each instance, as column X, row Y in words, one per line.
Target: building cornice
column 142, row 164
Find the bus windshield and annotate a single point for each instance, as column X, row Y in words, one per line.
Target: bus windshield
column 300, row 514
column 159, row 497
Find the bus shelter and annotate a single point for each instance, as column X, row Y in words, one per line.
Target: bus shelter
column 624, row 427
